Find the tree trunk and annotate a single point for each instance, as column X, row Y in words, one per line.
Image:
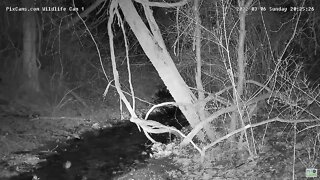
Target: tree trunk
column 29, row 55
column 156, row 51
column 203, row 114
column 236, row 117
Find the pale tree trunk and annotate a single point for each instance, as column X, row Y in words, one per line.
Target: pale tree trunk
column 153, row 46
column 236, row 117
column 197, row 45
column 29, row 55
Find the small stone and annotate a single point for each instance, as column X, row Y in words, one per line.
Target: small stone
column 35, row 177
column 67, row 165
column 96, row 126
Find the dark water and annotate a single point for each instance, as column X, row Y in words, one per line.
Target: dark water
column 96, row 156
column 104, row 154
column 108, row 153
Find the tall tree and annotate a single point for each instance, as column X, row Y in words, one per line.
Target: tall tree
column 29, row 55
column 152, row 43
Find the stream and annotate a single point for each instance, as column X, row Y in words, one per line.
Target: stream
column 97, row 155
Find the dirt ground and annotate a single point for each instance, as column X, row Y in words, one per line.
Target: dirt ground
column 22, row 130
column 42, row 121
column 32, row 122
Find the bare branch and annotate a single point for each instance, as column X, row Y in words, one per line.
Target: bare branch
column 163, row 4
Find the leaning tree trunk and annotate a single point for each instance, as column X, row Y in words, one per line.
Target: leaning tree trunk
column 153, row 46
column 30, row 70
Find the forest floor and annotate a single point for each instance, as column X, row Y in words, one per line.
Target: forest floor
column 276, row 154
column 21, row 133
column 23, row 130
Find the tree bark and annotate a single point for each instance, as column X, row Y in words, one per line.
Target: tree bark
column 29, row 55
column 197, row 45
column 236, row 117
column 156, row 51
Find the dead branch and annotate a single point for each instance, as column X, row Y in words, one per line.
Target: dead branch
column 163, row 4
column 150, row 126
column 113, row 10
column 255, row 125
column 220, row 112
